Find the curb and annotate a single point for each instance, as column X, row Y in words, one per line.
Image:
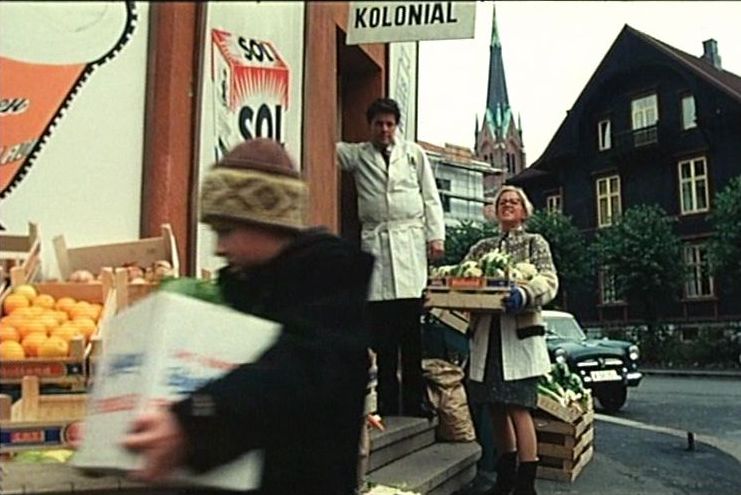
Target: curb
column 696, row 373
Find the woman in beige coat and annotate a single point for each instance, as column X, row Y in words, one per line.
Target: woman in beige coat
column 508, row 350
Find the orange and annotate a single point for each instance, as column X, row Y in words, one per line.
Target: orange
column 8, row 333
column 67, row 331
column 49, row 320
column 25, row 311
column 82, row 308
column 53, row 347
column 98, row 309
column 10, row 350
column 64, row 304
column 27, row 290
column 15, row 301
column 32, row 341
column 31, row 326
column 36, row 310
column 13, row 320
column 86, row 326
column 44, row 300
column 61, row 316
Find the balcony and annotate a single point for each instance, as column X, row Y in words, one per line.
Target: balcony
column 637, row 138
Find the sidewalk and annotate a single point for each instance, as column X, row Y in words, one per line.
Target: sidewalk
column 692, row 372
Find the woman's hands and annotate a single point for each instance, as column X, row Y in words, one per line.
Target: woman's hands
column 160, row 439
column 515, row 301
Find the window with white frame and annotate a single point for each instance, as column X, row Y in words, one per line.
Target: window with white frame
column 699, row 280
column 688, row 112
column 644, row 111
column 553, row 203
column 693, row 185
column 608, row 287
column 604, row 140
column 608, row 200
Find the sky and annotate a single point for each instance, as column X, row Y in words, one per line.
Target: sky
column 550, row 50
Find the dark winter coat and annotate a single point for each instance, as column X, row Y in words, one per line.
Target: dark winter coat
column 302, row 401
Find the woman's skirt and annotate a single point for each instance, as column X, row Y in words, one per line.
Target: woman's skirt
column 494, row 389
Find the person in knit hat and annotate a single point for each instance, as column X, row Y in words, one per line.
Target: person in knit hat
column 301, row 401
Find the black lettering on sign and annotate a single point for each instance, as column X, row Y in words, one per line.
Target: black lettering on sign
column 10, row 106
column 259, row 50
column 267, row 122
column 400, row 15
column 386, row 21
column 415, row 14
column 449, row 17
column 437, row 14
column 374, row 17
column 360, row 17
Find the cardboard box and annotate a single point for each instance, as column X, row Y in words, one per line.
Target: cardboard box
column 143, row 252
column 158, row 350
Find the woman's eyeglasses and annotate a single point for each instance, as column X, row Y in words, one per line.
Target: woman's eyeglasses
column 510, row 202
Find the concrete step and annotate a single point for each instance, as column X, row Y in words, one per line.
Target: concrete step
column 438, row 469
column 401, row 437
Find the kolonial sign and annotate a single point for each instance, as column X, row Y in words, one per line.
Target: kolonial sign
column 382, row 22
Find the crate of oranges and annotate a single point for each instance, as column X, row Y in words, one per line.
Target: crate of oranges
column 46, row 329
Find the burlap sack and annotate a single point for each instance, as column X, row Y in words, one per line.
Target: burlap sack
column 448, row 396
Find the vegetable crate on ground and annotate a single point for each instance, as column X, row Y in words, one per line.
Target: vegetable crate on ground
column 37, row 422
column 20, row 251
column 467, row 293
column 143, row 252
column 70, row 372
column 565, row 438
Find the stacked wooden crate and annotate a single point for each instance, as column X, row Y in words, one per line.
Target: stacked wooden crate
column 565, row 438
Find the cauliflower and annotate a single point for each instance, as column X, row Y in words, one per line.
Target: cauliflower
column 473, row 271
column 526, row 270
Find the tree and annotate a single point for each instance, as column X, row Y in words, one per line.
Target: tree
column 568, row 248
column 643, row 254
column 725, row 245
column 459, row 238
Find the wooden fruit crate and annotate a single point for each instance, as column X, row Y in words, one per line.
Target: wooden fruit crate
column 68, row 372
column 143, row 252
column 37, row 422
column 20, row 251
column 467, row 293
column 565, row 446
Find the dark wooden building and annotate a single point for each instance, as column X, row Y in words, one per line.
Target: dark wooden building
column 653, row 125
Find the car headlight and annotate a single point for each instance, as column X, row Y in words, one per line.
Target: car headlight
column 560, row 355
column 634, row 353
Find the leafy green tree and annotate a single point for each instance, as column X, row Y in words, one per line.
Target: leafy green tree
column 725, row 245
column 459, row 238
column 568, row 248
column 643, row 253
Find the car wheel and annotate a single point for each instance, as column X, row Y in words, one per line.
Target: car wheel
column 612, row 397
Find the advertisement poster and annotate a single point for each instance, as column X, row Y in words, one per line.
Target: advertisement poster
column 251, row 86
column 72, row 87
column 402, row 86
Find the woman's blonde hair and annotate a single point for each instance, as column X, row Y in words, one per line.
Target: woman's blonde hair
column 526, row 204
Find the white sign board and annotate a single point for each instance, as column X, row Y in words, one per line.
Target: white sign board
column 382, row 22
column 402, row 86
column 251, row 86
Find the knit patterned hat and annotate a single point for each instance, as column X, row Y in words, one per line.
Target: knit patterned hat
column 257, row 182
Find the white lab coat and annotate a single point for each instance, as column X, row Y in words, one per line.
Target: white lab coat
column 400, row 211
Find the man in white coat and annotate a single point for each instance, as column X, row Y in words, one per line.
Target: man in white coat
column 402, row 225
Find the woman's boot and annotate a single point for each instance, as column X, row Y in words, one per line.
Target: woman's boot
column 525, row 482
column 506, row 472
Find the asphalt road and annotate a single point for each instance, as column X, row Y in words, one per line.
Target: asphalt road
column 643, row 449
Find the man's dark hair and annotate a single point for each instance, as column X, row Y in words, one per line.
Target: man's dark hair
column 383, row 105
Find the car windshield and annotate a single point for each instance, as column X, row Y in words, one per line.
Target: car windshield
column 566, row 328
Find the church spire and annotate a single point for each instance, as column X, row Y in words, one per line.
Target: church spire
column 497, row 92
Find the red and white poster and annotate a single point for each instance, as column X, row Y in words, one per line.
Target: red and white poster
column 251, row 85
column 72, row 96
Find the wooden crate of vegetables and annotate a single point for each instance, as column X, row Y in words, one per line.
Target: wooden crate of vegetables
column 476, row 285
column 564, row 424
column 46, row 328
column 37, row 422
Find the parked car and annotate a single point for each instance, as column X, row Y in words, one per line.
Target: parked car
column 607, row 367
